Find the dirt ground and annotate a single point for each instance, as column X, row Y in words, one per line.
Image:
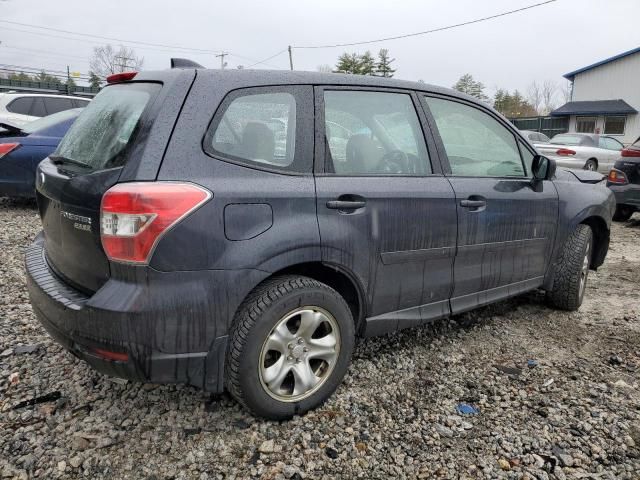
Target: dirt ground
column 557, row 396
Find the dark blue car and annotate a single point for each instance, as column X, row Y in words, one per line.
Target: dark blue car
column 22, row 149
column 240, row 229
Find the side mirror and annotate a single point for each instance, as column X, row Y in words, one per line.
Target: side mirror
column 543, row 168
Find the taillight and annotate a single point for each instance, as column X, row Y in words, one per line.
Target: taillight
column 565, row 152
column 134, row 216
column 7, row 148
column 630, row 152
column 121, row 77
column 618, row 177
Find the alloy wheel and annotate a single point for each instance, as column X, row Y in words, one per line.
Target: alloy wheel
column 299, row 354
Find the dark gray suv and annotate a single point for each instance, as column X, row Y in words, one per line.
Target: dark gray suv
column 240, row 229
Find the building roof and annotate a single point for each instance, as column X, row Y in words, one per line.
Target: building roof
column 594, row 107
column 571, row 75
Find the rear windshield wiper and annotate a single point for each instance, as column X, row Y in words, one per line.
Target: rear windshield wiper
column 58, row 160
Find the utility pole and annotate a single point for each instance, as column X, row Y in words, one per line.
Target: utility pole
column 222, row 55
column 123, row 65
column 68, row 81
column 290, row 57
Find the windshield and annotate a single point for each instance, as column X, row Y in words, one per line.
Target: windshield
column 106, row 126
column 50, row 120
column 567, row 139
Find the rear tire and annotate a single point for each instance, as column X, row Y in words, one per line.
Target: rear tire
column 289, row 347
column 572, row 270
column 591, row 164
column 623, row 213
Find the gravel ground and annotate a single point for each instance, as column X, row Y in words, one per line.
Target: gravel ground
column 576, row 414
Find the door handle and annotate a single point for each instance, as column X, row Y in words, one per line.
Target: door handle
column 345, row 204
column 473, row 203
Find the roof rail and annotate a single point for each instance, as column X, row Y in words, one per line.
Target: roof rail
column 184, row 63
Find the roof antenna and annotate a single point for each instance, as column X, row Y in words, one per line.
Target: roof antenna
column 184, row 63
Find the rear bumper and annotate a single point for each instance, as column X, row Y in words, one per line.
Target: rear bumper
column 168, row 324
column 627, row 194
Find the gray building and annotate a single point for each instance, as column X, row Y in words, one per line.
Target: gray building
column 605, row 98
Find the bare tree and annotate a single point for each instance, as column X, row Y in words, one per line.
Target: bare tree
column 549, row 89
column 325, row 68
column 534, row 96
column 107, row 60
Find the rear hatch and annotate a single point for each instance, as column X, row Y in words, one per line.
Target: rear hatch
column 89, row 160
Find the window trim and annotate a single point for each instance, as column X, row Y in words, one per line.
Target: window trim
column 319, row 131
column 303, row 154
column 624, row 125
column 518, row 137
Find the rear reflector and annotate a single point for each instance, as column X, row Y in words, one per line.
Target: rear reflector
column 6, row 148
column 565, row 152
column 134, row 216
column 109, row 355
column 618, row 177
column 630, row 152
column 121, row 77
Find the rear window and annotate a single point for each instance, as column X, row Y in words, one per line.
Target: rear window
column 106, row 126
column 568, row 139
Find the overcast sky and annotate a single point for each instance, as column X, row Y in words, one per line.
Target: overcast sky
column 509, row 52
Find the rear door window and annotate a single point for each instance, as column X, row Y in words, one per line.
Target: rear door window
column 55, row 105
column 21, row 105
column 106, row 127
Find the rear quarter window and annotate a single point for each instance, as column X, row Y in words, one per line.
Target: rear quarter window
column 262, row 127
column 21, row 105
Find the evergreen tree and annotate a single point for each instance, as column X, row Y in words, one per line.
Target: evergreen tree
column 94, row 80
column 512, row 104
column 349, row 63
column 383, row 66
column 367, row 64
column 466, row 84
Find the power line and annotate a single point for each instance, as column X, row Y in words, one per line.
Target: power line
column 47, row 53
column 113, row 39
column 440, row 29
column 268, row 58
column 35, row 69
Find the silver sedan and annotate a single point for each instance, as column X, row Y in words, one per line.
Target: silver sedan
column 583, row 151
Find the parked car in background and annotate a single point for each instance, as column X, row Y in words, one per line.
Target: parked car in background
column 21, row 108
column 536, row 138
column 583, row 150
column 22, row 148
column 180, row 243
column 624, row 180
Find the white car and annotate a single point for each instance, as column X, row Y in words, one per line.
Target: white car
column 21, row 108
column 535, row 137
column 582, row 151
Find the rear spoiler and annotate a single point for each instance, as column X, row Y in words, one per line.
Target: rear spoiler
column 10, row 127
column 184, row 63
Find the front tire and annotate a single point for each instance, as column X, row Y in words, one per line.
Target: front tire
column 623, row 213
column 572, row 270
column 289, row 348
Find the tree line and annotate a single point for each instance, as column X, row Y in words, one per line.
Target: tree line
column 540, row 98
column 363, row 64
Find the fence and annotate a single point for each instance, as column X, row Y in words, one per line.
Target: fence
column 45, row 87
column 550, row 126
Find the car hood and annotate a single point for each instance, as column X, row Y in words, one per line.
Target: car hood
column 584, row 176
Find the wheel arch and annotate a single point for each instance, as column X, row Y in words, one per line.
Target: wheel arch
column 600, row 239
column 338, row 278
